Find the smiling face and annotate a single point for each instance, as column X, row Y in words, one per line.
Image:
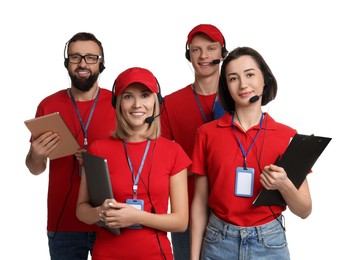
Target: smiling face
column 137, row 103
column 84, row 75
column 244, row 80
column 202, row 52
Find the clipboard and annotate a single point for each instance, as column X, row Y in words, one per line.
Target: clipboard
column 55, row 123
column 298, row 159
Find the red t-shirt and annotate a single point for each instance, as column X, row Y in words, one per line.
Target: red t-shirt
column 164, row 159
column 217, row 154
column 182, row 117
column 64, row 179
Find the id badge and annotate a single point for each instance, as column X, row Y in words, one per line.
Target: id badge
column 244, row 182
column 138, row 204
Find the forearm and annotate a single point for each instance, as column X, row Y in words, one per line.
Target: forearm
column 36, row 167
column 170, row 222
column 298, row 200
column 198, row 216
column 88, row 214
column 197, row 230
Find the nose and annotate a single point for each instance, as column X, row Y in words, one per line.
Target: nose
column 203, row 54
column 243, row 83
column 136, row 102
column 83, row 61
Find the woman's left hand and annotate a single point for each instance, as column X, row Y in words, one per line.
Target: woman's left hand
column 273, row 177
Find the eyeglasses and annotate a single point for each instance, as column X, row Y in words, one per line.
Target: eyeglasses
column 89, row 59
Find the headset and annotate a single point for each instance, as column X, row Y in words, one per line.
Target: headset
column 113, row 98
column 224, row 51
column 66, row 60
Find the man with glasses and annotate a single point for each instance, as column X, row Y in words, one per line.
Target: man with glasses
column 86, row 109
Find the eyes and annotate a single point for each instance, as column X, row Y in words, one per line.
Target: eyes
column 89, row 59
column 212, row 48
column 233, row 77
column 130, row 96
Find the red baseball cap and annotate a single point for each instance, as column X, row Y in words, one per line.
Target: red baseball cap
column 210, row 30
column 133, row 75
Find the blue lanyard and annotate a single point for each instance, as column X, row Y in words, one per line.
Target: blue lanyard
column 84, row 127
column 244, row 154
column 136, row 179
column 201, row 108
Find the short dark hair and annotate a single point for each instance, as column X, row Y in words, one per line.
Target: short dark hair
column 84, row 36
column 270, row 83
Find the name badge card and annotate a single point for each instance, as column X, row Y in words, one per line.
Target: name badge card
column 138, row 204
column 244, row 182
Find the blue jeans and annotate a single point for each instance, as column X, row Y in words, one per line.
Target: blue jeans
column 226, row 241
column 70, row 245
column 181, row 245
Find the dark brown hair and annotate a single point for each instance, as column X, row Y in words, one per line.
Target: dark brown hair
column 270, row 83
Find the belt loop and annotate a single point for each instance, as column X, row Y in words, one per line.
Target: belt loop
column 281, row 220
column 225, row 230
column 259, row 233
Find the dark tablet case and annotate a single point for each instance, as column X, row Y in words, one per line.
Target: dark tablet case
column 98, row 183
column 298, row 159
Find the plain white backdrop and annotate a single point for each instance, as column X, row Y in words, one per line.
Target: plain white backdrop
column 304, row 42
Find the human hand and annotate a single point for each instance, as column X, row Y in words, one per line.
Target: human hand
column 119, row 215
column 108, row 205
column 42, row 146
column 273, row 177
column 78, row 155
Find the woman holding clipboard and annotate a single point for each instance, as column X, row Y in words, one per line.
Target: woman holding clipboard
column 233, row 160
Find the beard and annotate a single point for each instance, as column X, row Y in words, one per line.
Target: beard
column 83, row 84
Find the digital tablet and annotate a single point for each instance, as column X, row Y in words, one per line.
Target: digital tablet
column 54, row 123
column 98, row 183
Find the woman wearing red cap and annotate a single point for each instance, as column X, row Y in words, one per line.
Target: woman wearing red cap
column 234, row 159
column 146, row 171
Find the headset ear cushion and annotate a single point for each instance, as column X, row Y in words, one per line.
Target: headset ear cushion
column 113, row 97
column 66, row 62
column 101, row 67
column 113, row 101
column 224, row 52
column 187, row 55
column 160, row 98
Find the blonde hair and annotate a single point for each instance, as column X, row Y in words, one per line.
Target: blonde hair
column 124, row 130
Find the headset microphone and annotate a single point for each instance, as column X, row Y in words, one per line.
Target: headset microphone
column 217, row 61
column 255, row 98
column 150, row 119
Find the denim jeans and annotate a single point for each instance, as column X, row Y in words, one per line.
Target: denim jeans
column 70, row 245
column 181, row 245
column 226, row 241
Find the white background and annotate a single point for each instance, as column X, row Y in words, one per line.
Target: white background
column 304, row 42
